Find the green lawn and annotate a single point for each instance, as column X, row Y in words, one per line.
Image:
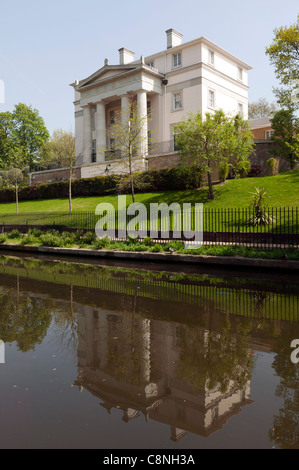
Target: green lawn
column 283, row 190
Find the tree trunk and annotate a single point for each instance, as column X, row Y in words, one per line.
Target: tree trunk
column 70, row 191
column 131, row 176
column 211, row 194
column 17, row 200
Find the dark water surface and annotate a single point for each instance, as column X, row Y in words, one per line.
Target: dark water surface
column 107, row 357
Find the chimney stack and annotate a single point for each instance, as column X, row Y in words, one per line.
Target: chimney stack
column 173, row 38
column 125, row 56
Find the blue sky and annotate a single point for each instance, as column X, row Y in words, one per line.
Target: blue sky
column 46, row 45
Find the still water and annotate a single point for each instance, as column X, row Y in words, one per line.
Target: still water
column 101, row 356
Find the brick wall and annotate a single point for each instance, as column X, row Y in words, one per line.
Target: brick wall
column 260, row 134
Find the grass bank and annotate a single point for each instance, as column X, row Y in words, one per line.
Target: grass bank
column 89, row 240
column 282, row 190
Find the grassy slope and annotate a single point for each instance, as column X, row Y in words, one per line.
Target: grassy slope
column 283, row 190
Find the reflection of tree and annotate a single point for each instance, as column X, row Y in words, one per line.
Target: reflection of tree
column 23, row 319
column 285, row 430
column 212, row 359
column 67, row 321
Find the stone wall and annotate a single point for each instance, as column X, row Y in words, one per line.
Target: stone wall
column 111, row 167
column 52, row 176
column 157, row 162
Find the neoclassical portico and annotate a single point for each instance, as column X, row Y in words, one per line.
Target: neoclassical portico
column 111, row 90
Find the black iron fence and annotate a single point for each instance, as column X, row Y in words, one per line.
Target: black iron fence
column 273, row 227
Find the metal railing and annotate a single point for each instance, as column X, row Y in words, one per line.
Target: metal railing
column 220, row 226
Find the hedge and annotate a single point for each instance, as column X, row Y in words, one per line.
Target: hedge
column 178, row 178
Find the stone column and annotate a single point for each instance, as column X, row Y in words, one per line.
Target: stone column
column 125, row 117
column 142, row 113
column 125, row 110
column 87, row 145
column 101, row 131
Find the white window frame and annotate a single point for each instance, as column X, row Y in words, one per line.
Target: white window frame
column 268, row 134
column 174, row 101
column 211, row 57
column 209, row 105
column 177, row 60
column 151, row 64
column 240, row 109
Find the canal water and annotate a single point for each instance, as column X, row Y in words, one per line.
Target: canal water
column 104, row 356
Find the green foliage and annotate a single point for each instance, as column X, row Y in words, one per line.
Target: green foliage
column 179, row 178
column 259, row 205
column 22, row 134
column 223, row 171
column 88, row 238
column 285, row 124
column 284, row 52
column 14, row 234
column 284, row 55
column 209, row 142
column 273, row 165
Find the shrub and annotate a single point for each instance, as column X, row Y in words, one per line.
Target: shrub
column 255, row 170
column 223, row 171
column 273, row 165
column 3, row 238
column 88, row 238
column 51, row 239
column 179, row 178
column 14, row 234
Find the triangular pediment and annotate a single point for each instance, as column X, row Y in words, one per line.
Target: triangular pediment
column 107, row 72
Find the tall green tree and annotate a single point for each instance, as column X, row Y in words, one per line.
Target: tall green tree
column 27, row 131
column 286, row 130
column 283, row 53
column 210, row 141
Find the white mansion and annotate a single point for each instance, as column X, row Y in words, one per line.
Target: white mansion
column 183, row 78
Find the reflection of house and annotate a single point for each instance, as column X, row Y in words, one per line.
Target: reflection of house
column 137, row 365
column 261, row 128
column 185, row 77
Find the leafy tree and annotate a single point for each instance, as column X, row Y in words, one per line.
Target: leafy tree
column 6, row 144
column 60, row 151
column 261, row 108
column 28, row 131
column 284, row 55
column 286, row 129
column 210, row 142
column 129, row 139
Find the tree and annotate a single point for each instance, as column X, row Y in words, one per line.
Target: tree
column 60, row 151
column 28, row 132
column 284, row 55
column 209, row 142
column 286, row 129
column 261, row 108
column 6, row 144
column 130, row 139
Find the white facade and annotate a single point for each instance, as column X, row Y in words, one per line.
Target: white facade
column 183, row 78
